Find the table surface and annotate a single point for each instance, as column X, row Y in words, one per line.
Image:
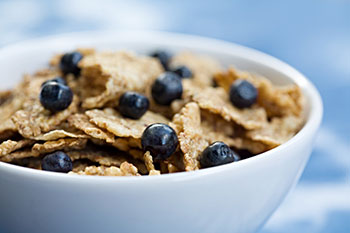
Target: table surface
column 313, row 36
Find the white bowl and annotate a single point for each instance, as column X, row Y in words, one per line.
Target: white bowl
column 237, row 197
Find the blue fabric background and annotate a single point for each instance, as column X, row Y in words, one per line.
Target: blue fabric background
column 313, row 36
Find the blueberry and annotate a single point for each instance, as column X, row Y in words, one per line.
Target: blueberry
column 57, row 80
column 69, row 63
column 166, row 88
column 216, row 154
column 55, row 96
column 57, row 162
column 243, row 94
column 160, row 140
column 133, row 105
column 163, row 57
column 183, row 72
column 214, row 83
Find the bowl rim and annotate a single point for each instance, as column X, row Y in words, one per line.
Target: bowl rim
column 311, row 125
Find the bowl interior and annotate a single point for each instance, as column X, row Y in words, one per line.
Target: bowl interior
column 27, row 57
column 32, row 55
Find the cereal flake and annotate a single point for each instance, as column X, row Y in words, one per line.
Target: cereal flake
column 120, row 126
column 81, row 122
column 121, row 71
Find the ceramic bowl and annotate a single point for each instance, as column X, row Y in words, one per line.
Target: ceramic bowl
column 237, row 197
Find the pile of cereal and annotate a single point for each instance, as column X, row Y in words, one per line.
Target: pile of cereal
column 122, row 114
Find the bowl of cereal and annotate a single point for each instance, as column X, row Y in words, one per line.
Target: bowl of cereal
column 148, row 132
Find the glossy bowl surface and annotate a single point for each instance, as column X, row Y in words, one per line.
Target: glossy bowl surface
column 237, row 197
